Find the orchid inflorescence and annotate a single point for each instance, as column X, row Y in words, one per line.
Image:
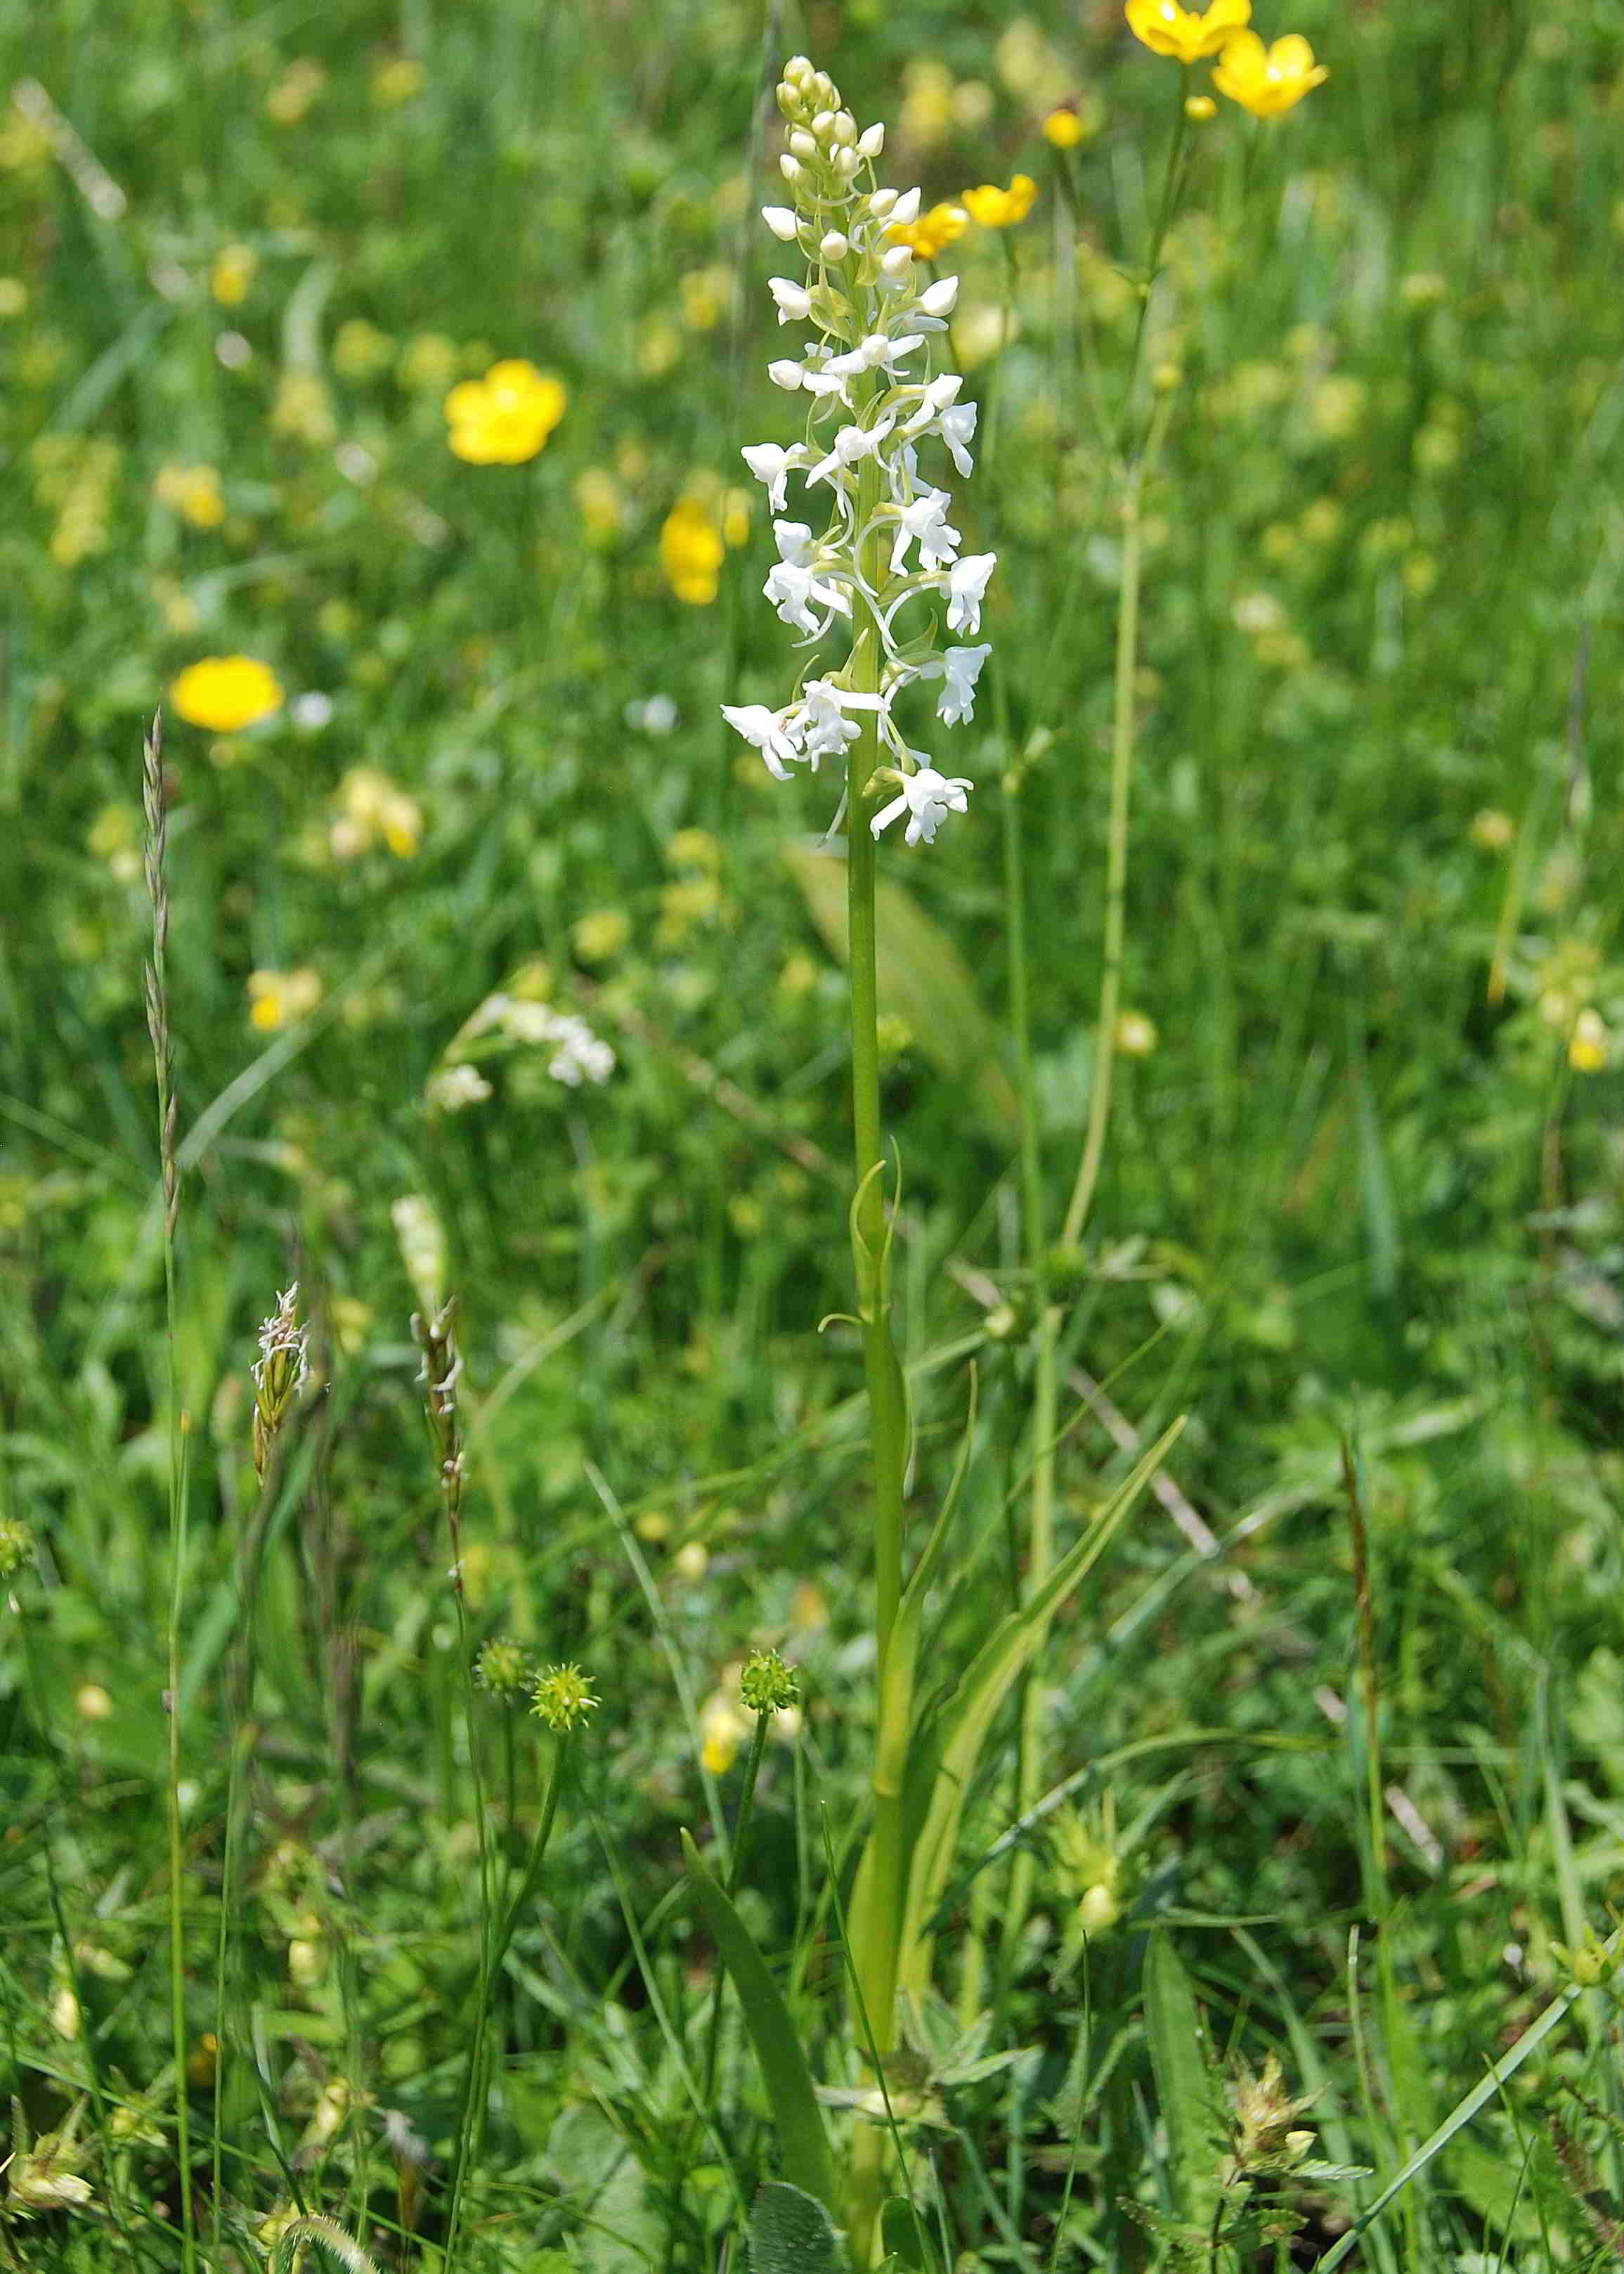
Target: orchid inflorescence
column 889, row 540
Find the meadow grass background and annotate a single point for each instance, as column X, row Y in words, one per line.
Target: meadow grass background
column 1362, row 1187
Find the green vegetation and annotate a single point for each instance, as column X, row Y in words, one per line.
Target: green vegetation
column 580, row 1686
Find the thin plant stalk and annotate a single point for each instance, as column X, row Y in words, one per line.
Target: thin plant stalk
column 875, row 1953
column 156, row 846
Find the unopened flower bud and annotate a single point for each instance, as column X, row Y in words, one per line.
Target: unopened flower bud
column 782, row 221
column 802, row 143
column 846, row 162
column 905, row 208
column 937, row 300
column 845, row 126
column 882, row 203
column 822, row 124
column 835, row 246
column 871, row 141
column 790, row 168
column 897, row 263
column 786, row 374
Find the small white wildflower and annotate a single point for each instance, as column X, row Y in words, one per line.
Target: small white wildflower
column 454, row 1087
column 852, row 445
column 794, row 301
column 767, row 731
column 923, row 520
column 311, row 712
column 962, row 667
column 967, row 586
column 580, row 1055
column 772, row 467
column 786, row 374
column 783, row 221
column 793, row 590
column 957, row 429
column 925, row 796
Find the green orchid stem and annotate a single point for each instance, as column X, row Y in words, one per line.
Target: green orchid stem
column 878, row 1927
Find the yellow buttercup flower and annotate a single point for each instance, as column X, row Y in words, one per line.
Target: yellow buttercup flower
column 1587, row 1046
column 505, row 418
column 225, row 693
column 1268, row 80
column 996, row 209
column 1064, row 129
column 1186, row 34
column 191, row 492
column 691, row 552
column 231, row 273
column 933, row 232
column 374, row 809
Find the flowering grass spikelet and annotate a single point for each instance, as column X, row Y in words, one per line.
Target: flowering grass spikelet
column 1268, row 80
column 872, row 410
column 280, row 1373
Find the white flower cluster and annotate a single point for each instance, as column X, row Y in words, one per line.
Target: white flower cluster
column 578, row 1054
column 889, row 539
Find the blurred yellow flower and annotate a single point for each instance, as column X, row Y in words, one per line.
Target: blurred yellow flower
column 933, row 232
column 1491, row 831
column 396, row 80
column 600, row 935
column 1185, row 34
column 1136, row 1034
column 724, row 1725
column 1268, row 80
column 992, row 208
column 505, row 418
column 429, row 361
column 1064, row 129
column 232, row 275
column 360, row 350
column 602, row 503
column 295, row 91
column 692, row 553
column 1200, row 107
column 374, row 809
column 191, row 492
column 276, row 999
column 224, row 693
column 704, row 297
column 304, row 409
column 13, row 296
column 693, row 848
column 1587, row 1048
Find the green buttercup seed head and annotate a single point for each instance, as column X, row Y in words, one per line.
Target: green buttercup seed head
column 503, row 1668
column 562, row 1696
column 766, row 1684
column 16, row 1544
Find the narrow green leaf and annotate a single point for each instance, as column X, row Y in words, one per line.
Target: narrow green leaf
column 923, row 980
column 905, row 2237
column 969, row 1713
column 790, row 2233
column 801, row 2139
column 1187, row 2090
